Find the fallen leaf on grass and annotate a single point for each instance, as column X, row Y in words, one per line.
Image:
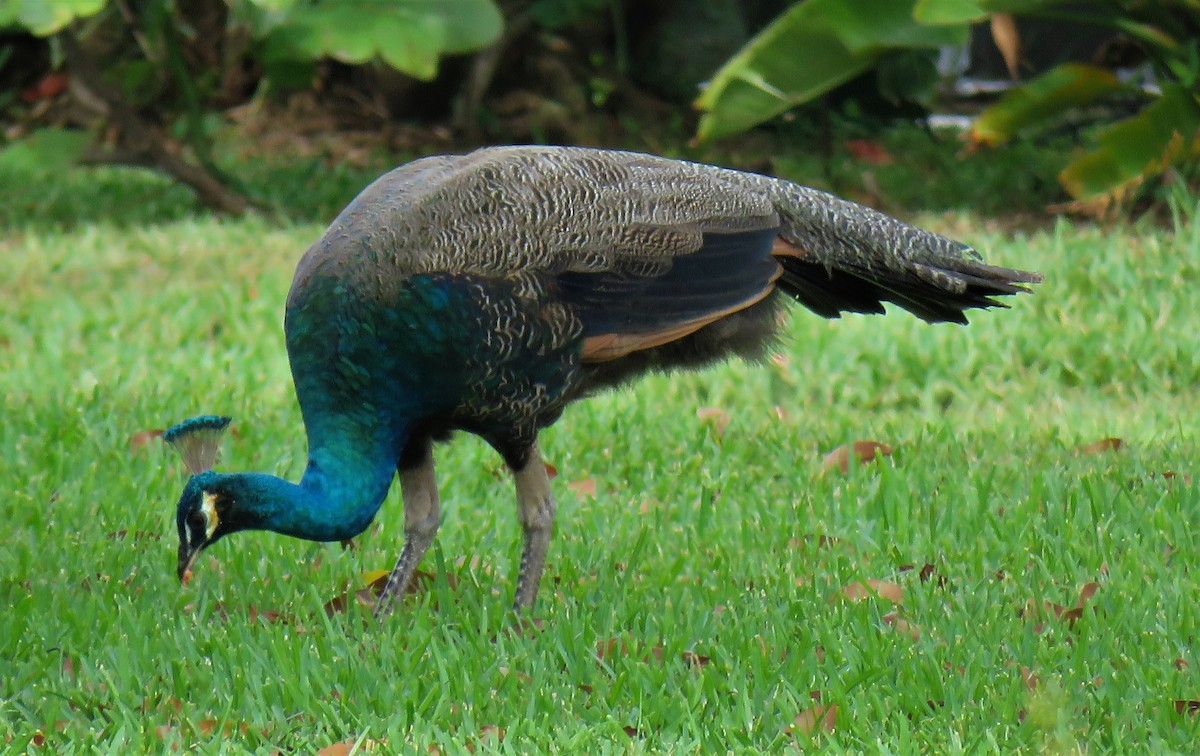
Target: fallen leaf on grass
column 715, row 417
column 901, row 625
column 487, row 732
column 1046, row 610
column 207, row 727
column 1181, row 664
column 140, row 439
column 375, row 581
column 585, row 487
column 1172, row 475
column 1101, row 446
column 862, row 451
column 345, row 747
column 859, row 591
column 693, row 659
column 617, row 647
column 1030, row 677
column 632, row 731
column 820, row 718
column 927, row 573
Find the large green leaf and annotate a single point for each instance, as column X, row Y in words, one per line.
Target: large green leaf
column 942, row 12
column 1140, row 20
column 813, row 47
column 1165, row 133
column 1041, row 100
column 410, row 35
column 45, row 17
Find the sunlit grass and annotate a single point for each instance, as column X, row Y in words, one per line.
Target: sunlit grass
column 696, row 542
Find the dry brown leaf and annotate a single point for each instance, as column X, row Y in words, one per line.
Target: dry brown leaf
column 820, row 718
column 715, row 417
column 341, row 748
column 1071, row 616
column 1181, row 664
column 859, row 591
column 1101, row 446
column 693, row 659
column 140, row 439
column 366, row 596
column 1086, row 593
column 862, row 451
column 1008, row 42
column 902, row 625
column 632, row 731
column 614, row 647
column 1030, row 677
column 1172, row 475
column 585, row 487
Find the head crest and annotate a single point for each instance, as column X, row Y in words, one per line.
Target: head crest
column 198, row 441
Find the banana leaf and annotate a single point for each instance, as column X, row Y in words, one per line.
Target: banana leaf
column 1124, row 17
column 1034, row 104
column 1165, row 133
column 812, row 48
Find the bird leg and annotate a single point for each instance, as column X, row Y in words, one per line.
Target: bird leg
column 422, row 515
column 536, row 507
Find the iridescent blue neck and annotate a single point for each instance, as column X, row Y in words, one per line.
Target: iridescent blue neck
column 336, row 499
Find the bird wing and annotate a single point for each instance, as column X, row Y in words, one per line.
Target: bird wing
column 644, row 250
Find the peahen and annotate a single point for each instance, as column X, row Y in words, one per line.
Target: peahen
column 486, row 292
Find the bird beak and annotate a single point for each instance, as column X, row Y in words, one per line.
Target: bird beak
column 187, row 555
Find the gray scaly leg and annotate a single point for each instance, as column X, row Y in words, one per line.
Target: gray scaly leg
column 422, row 515
column 536, row 507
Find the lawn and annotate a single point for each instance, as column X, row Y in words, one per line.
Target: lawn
column 706, row 586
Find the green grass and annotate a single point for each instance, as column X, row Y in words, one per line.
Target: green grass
column 696, row 541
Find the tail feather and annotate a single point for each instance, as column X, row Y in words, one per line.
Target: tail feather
column 841, row 257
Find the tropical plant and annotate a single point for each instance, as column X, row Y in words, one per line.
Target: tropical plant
column 819, row 44
column 156, row 71
column 1120, row 157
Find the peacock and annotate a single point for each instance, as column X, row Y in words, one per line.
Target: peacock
column 485, row 292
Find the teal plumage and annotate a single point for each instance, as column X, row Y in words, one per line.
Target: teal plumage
column 486, row 292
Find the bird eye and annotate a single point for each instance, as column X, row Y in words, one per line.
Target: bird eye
column 197, row 527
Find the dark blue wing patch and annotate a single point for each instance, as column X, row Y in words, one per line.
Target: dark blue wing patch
column 728, row 270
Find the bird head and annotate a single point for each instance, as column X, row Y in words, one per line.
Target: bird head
column 203, row 512
column 203, row 516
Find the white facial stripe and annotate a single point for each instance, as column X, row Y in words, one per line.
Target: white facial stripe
column 208, row 507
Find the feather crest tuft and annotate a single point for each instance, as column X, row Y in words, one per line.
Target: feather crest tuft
column 198, row 441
